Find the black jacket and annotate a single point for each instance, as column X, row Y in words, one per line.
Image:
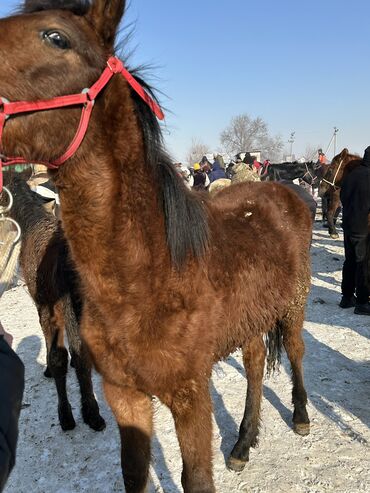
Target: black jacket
column 199, row 180
column 355, row 198
column 11, row 393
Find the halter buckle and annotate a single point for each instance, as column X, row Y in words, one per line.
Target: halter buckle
column 87, row 92
column 115, row 65
column 3, row 102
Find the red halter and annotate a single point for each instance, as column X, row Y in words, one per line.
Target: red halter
column 86, row 98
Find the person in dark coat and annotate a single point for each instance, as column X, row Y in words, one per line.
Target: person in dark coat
column 205, row 165
column 218, row 159
column 11, row 393
column 200, row 180
column 248, row 159
column 230, row 170
column 217, row 172
column 355, row 198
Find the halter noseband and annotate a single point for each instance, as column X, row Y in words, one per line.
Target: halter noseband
column 335, row 177
column 308, row 172
column 86, row 98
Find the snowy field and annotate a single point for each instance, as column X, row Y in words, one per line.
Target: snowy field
column 335, row 457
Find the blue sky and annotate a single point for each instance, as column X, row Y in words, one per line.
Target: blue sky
column 302, row 66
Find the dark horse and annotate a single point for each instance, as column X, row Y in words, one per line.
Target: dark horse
column 309, row 172
column 144, row 244
column 53, row 285
column 330, row 185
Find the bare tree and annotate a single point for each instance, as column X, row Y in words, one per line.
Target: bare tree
column 247, row 134
column 310, row 153
column 196, row 151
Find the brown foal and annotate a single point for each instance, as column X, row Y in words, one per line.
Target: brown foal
column 144, row 245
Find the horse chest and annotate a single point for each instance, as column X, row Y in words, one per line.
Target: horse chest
column 150, row 364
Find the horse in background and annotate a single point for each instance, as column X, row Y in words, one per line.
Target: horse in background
column 145, row 245
column 330, row 185
column 53, row 284
column 309, row 172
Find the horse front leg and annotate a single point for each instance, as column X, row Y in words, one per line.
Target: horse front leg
column 134, row 415
column 333, row 205
column 324, row 209
column 254, row 362
column 192, row 412
column 333, row 212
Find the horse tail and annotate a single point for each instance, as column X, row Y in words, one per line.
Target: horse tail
column 274, row 346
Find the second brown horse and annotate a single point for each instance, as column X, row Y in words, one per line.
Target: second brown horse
column 331, row 184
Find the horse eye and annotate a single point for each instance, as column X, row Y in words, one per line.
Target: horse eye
column 56, row 39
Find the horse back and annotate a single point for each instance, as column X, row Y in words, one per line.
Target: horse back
column 261, row 235
column 266, row 204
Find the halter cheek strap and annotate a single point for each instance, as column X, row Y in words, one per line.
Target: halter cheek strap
column 86, row 98
column 335, row 177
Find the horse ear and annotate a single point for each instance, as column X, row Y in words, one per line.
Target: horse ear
column 105, row 15
column 344, row 152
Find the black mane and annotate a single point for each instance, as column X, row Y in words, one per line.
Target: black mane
column 185, row 216
column 78, row 7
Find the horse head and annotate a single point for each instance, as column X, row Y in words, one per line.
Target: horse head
column 53, row 48
column 59, row 75
column 333, row 176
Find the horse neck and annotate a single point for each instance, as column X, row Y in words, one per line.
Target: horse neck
column 347, row 167
column 109, row 197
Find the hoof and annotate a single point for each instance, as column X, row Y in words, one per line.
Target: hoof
column 335, row 236
column 92, row 417
column 235, row 465
column 66, row 419
column 96, row 423
column 67, row 423
column 302, row 429
column 47, row 373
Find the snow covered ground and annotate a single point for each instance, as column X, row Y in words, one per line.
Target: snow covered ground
column 335, row 457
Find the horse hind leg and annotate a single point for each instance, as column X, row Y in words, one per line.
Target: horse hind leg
column 89, row 406
column 81, row 362
column 294, row 347
column 44, row 323
column 254, row 355
column 57, row 364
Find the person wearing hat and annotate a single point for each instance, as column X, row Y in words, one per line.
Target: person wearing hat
column 321, row 157
column 355, row 198
column 199, row 181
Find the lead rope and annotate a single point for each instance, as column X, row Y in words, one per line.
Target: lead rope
column 10, row 233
